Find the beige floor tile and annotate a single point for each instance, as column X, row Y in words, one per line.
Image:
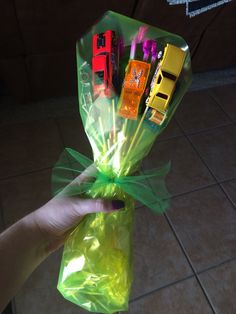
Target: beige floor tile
column 220, row 285
column 172, row 130
column 225, row 96
column 187, row 170
column 230, row 189
column 40, row 295
column 73, row 135
column 199, row 111
column 158, row 259
column 205, row 222
column 218, row 149
column 23, row 194
column 28, row 146
column 184, row 297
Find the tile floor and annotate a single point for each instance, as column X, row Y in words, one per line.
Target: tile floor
column 184, row 261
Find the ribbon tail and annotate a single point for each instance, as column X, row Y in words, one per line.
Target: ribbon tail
column 76, row 157
column 68, row 167
column 155, row 173
column 149, row 188
column 74, row 189
column 157, row 202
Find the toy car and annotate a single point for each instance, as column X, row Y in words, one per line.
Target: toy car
column 163, row 84
column 133, row 88
column 105, row 63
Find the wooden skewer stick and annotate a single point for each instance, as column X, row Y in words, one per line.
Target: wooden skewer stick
column 136, row 132
column 114, row 121
column 124, row 131
column 102, row 132
column 108, row 144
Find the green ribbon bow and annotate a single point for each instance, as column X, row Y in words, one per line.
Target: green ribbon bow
column 148, row 188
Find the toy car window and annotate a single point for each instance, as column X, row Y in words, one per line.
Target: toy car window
column 159, row 79
column 161, row 95
column 99, row 77
column 101, row 40
column 169, row 76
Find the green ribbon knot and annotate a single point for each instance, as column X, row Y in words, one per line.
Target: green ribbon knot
column 148, row 187
column 106, row 179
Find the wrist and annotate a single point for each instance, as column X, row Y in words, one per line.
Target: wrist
column 46, row 234
column 37, row 241
column 22, row 249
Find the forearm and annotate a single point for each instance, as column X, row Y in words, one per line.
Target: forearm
column 29, row 241
column 22, row 249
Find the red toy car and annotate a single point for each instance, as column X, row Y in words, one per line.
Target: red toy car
column 105, row 63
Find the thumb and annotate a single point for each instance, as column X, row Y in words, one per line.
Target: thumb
column 86, row 206
column 59, row 215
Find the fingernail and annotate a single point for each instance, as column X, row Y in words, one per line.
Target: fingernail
column 117, row 204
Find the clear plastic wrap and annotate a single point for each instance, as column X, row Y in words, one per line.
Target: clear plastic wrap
column 131, row 78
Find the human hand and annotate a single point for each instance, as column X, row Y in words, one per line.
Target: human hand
column 61, row 214
column 25, row 244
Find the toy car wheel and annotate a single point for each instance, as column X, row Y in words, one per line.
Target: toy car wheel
column 84, row 77
column 114, row 41
column 121, row 47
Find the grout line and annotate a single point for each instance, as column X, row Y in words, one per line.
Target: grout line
column 219, row 182
column 210, row 79
column 173, row 229
column 216, row 265
column 197, row 84
column 190, row 264
column 196, row 274
column 188, row 260
column 191, row 191
column 206, row 130
column 207, row 296
column 226, row 193
column 25, row 173
column 40, row 169
column 212, row 96
column 169, row 138
column 161, row 288
column 206, row 165
column 203, row 131
column 226, row 180
column 211, row 172
column 186, row 254
column 194, row 190
column 173, row 196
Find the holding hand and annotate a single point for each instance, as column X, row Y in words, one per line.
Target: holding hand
column 29, row 241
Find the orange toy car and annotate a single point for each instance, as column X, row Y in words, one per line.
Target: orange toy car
column 133, row 88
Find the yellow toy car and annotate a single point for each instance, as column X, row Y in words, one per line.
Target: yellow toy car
column 164, row 81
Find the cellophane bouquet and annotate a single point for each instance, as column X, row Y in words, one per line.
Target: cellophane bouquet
column 131, row 78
